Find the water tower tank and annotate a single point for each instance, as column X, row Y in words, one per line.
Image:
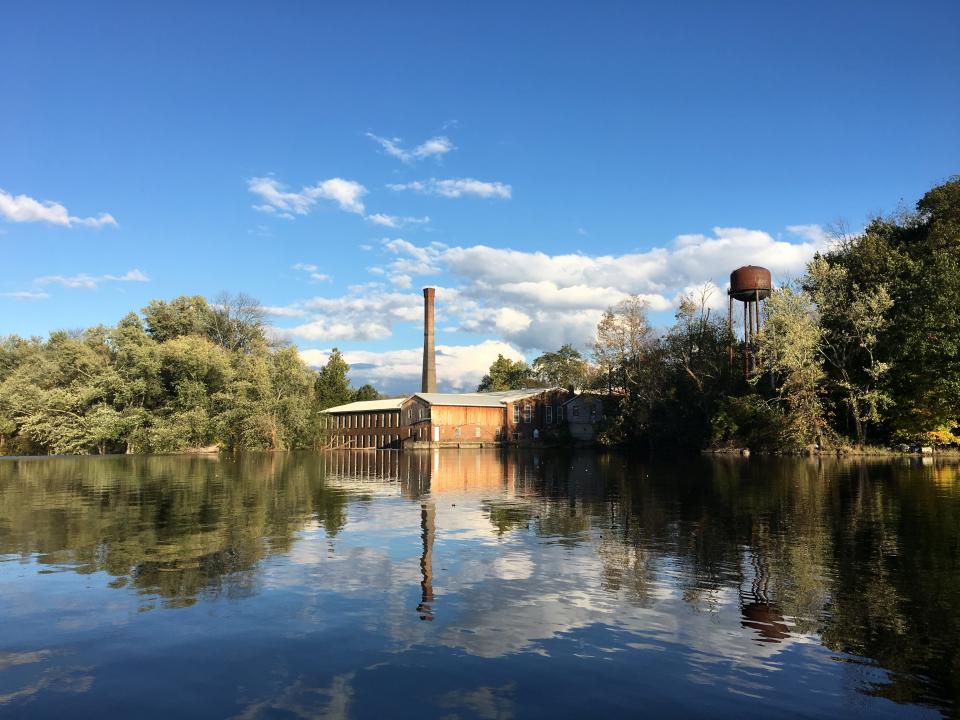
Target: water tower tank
column 750, row 283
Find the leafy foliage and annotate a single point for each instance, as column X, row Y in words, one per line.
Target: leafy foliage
column 188, row 375
column 866, row 345
column 506, row 374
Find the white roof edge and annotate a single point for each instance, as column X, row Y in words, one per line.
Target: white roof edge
column 368, row 405
column 494, row 398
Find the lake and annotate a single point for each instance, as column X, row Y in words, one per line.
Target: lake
column 478, row 584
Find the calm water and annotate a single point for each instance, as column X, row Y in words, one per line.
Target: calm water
column 477, row 584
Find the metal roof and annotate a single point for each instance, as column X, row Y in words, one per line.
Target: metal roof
column 475, row 399
column 368, row 406
column 481, row 399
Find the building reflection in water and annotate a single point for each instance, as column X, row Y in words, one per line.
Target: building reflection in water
column 770, row 554
column 424, row 475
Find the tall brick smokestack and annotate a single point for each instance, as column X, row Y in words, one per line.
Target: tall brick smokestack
column 429, row 382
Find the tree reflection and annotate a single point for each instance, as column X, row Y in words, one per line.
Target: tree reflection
column 178, row 527
column 864, row 556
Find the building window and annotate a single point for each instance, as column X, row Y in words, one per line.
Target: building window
column 498, row 433
column 476, row 432
column 527, row 413
column 559, row 413
column 576, row 411
column 593, row 412
column 516, row 437
column 549, row 414
column 516, row 414
column 456, row 432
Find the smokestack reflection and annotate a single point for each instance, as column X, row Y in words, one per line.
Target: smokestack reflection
column 427, row 529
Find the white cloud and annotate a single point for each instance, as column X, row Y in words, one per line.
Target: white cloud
column 312, row 270
column 459, row 367
column 22, row 208
column 27, row 295
column 433, row 147
column 276, row 198
column 396, row 221
column 328, row 329
column 367, row 312
column 540, row 301
column 534, row 301
column 277, row 311
column 89, row 282
column 811, row 233
column 457, row 187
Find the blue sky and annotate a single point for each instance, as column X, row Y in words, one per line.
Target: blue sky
column 565, row 155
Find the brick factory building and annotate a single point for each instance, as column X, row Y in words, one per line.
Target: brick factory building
column 482, row 418
column 365, row 424
column 447, row 419
column 432, row 419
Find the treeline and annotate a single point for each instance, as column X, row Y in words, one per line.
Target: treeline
column 183, row 374
column 863, row 348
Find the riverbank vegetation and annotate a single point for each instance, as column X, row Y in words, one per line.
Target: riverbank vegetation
column 182, row 374
column 863, row 348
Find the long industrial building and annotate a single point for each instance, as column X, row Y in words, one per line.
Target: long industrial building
column 448, row 419
column 432, row 419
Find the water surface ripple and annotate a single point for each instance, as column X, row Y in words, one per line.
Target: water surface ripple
column 478, row 584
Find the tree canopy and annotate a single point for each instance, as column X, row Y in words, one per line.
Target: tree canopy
column 185, row 374
column 506, row 374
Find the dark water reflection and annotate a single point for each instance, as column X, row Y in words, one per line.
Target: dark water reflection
column 477, row 584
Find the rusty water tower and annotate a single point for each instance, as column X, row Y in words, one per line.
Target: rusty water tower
column 750, row 285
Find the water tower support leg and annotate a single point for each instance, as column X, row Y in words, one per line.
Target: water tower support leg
column 730, row 331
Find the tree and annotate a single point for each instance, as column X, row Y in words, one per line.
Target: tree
column 923, row 335
column 564, row 368
column 624, row 337
column 631, row 361
column 789, row 346
column 698, row 341
column 189, row 375
column 185, row 315
column 506, row 374
column 851, row 320
column 697, row 373
column 332, row 387
column 236, row 322
column 365, row 392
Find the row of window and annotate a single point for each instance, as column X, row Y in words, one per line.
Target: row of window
column 528, row 414
column 364, row 420
column 418, row 412
column 369, row 441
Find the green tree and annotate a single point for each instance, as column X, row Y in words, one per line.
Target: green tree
column 624, row 340
column 789, row 346
column 185, row 315
column 235, row 322
column 923, row 335
column 506, row 374
column 564, row 368
column 365, row 392
column 332, row 387
column 697, row 373
column 851, row 321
